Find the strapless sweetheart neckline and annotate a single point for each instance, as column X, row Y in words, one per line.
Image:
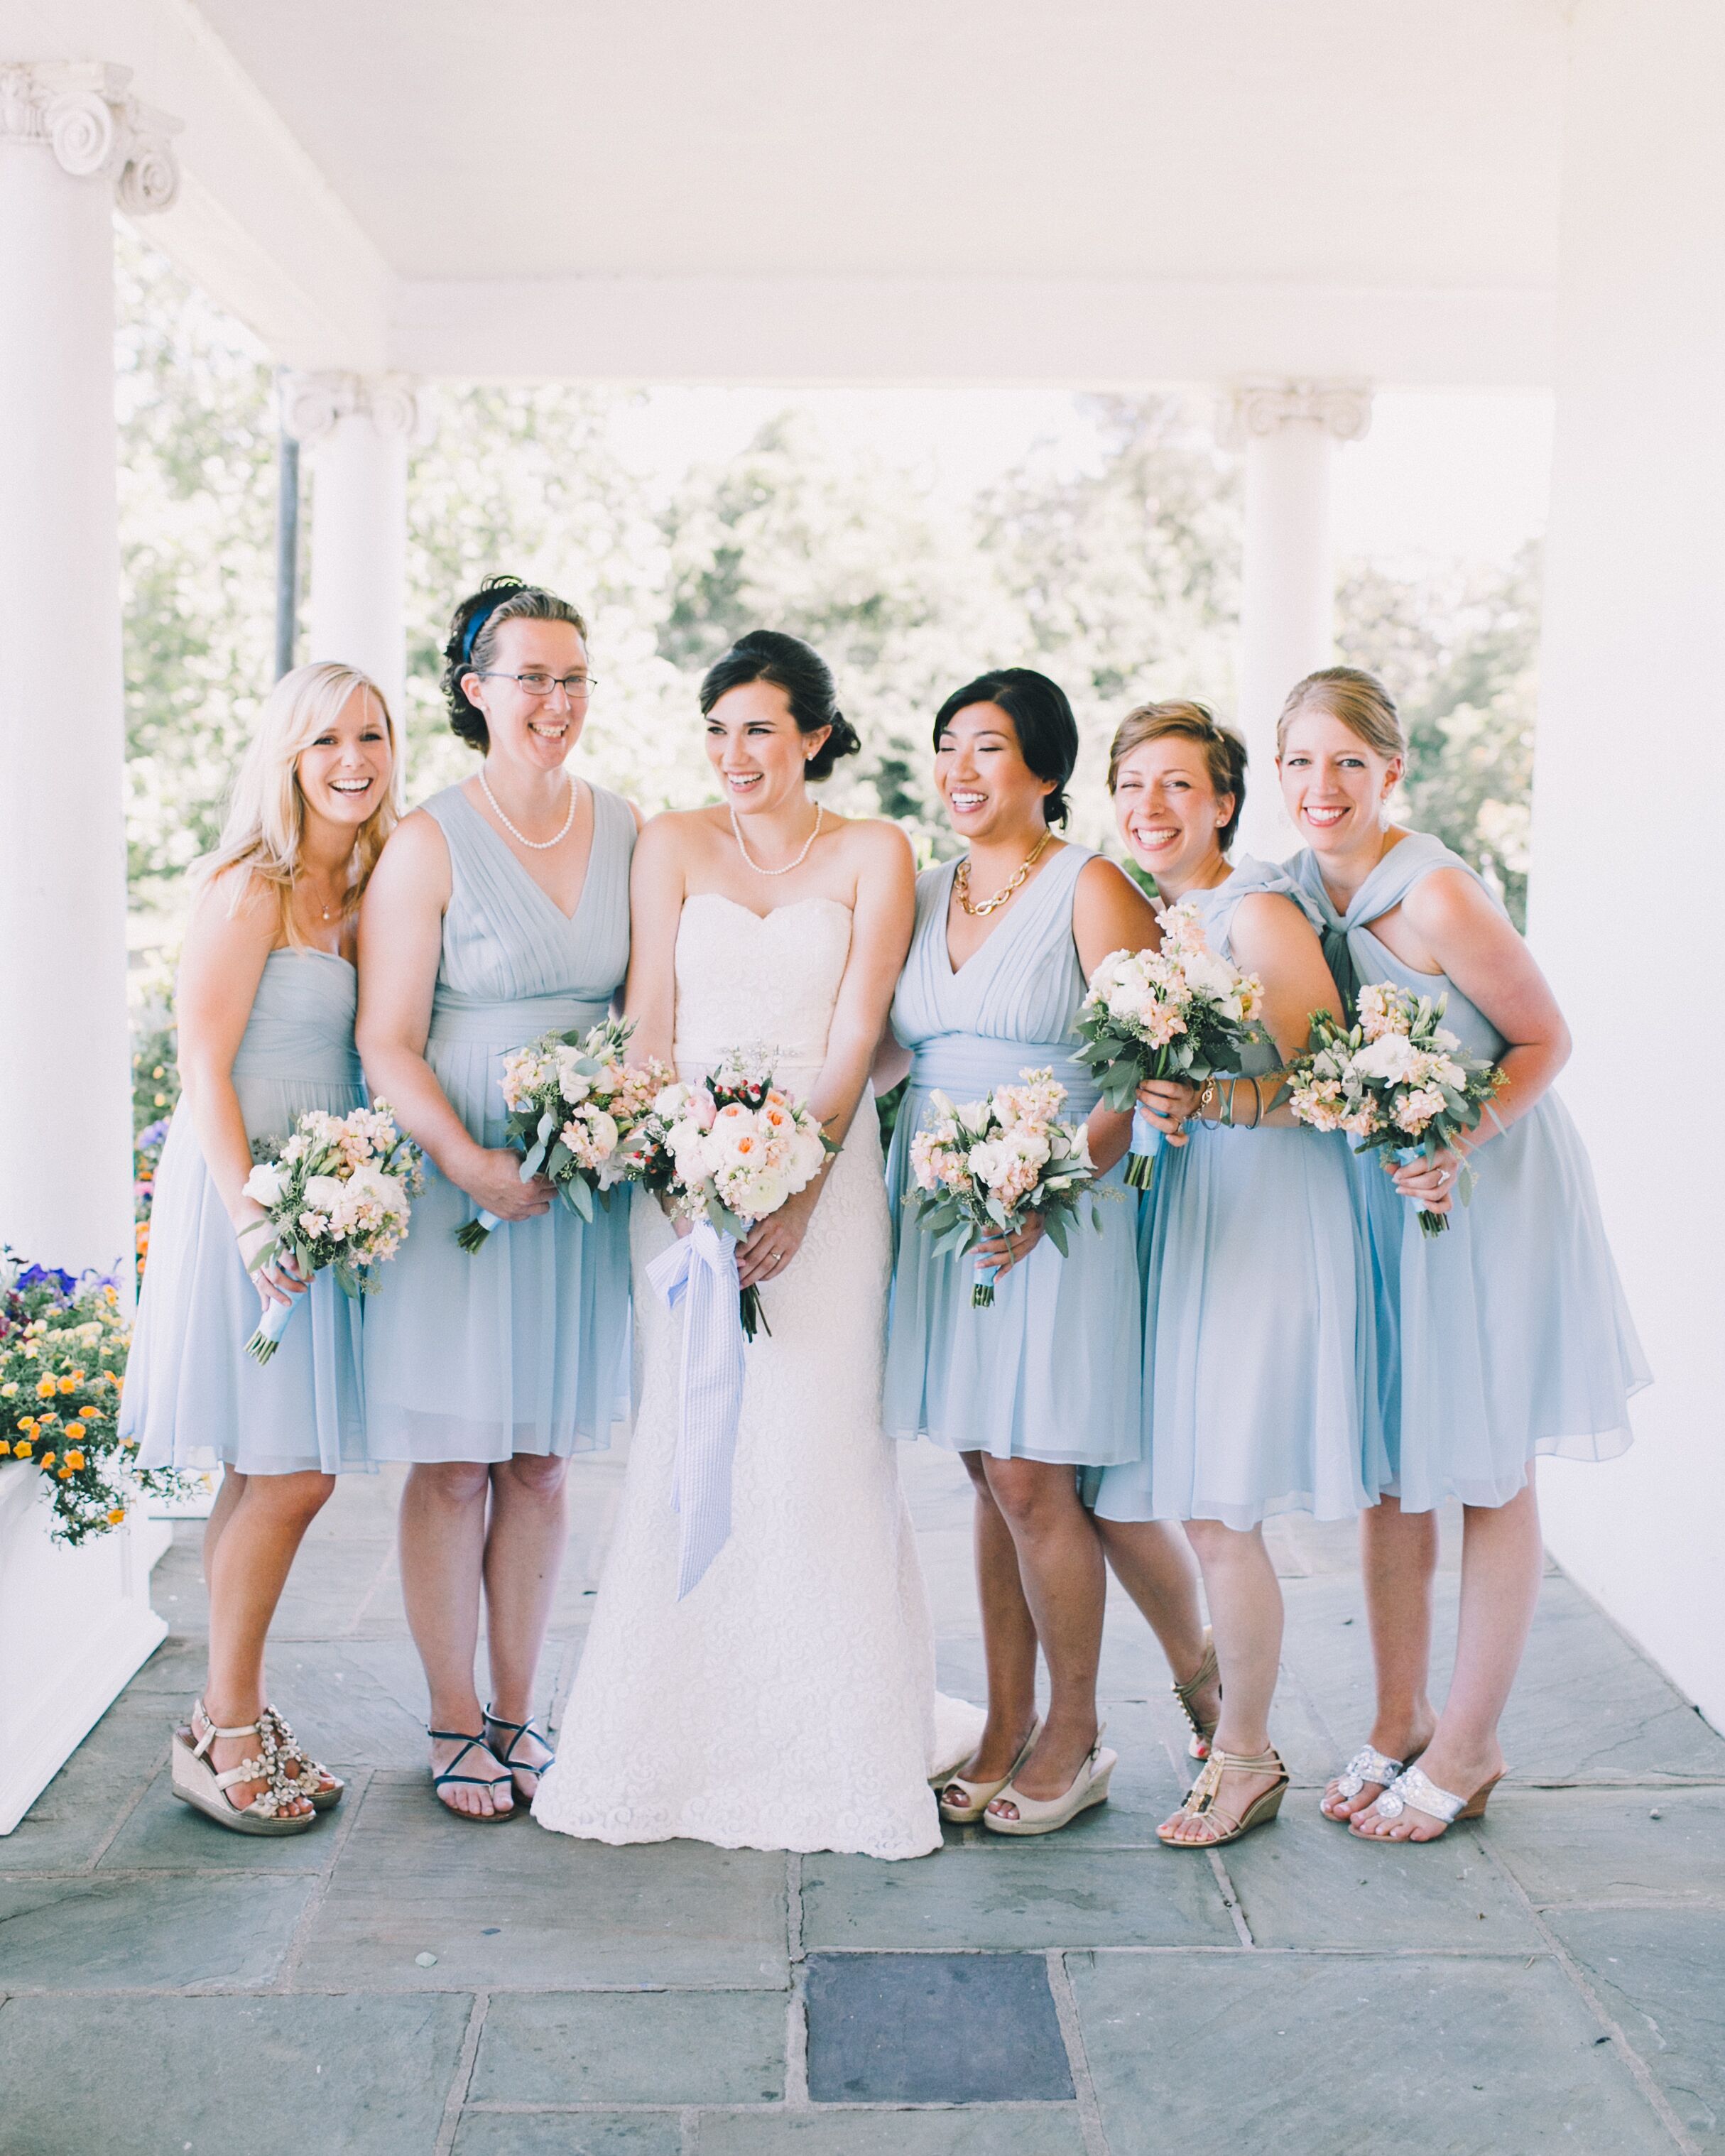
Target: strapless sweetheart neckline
column 773, row 914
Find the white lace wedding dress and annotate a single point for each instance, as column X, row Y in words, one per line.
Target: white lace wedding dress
column 788, row 1701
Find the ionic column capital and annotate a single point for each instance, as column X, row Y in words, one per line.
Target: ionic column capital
column 312, row 405
column 83, row 111
column 1257, row 408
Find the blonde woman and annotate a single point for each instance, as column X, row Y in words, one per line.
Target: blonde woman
column 267, row 991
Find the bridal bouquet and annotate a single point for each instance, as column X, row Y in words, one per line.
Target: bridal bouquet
column 336, row 1194
column 729, row 1151
column 1395, row 1079
column 574, row 1105
column 982, row 1167
column 1178, row 1012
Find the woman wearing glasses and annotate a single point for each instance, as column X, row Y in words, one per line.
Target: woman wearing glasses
column 499, row 911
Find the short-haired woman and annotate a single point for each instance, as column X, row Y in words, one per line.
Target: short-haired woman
column 498, row 912
column 265, row 1011
column 1506, row 1336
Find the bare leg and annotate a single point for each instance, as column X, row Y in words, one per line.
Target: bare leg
column 1009, row 1640
column 229, row 1493
column 1066, row 1583
column 524, row 1555
column 1152, row 1561
column 248, row 1560
column 1399, row 1555
column 1247, row 1617
column 1501, row 1560
column 443, row 1554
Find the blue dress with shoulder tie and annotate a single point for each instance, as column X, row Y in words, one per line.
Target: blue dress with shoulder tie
column 1050, row 1371
column 193, row 1397
column 1259, row 1390
column 523, row 1346
column 1507, row 1335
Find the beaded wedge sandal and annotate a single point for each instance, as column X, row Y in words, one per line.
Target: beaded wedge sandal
column 313, row 1780
column 1209, row 1670
column 518, row 1732
column 979, row 1795
column 195, row 1780
column 1202, row 1800
column 1414, row 1789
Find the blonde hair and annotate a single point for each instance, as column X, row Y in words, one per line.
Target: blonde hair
column 265, row 822
column 1224, row 753
column 1356, row 700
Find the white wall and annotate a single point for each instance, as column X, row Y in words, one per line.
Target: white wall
column 1630, row 781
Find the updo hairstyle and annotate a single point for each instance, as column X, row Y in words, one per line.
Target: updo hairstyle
column 473, row 643
column 787, row 662
column 1357, row 699
column 1224, row 753
column 1041, row 717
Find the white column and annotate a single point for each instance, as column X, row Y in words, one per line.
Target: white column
column 1289, row 431
column 72, row 141
column 357, row 429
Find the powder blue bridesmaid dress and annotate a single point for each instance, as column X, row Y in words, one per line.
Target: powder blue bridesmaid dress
column 1051, row 1371
column 194, row 1397
column 1507, row 1335
column 523, row 1347
column 1259, row 1393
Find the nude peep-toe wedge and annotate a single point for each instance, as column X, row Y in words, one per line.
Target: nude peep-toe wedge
column 979, row 1795
column 196, row 1781
column 1413, row 1788
column 1047, row 1816
column 1209, row 1670
column 1201, row 1799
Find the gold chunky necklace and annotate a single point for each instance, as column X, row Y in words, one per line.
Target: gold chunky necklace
column 961, row 880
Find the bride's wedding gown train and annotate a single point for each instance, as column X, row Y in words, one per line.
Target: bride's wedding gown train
column 788, row 1701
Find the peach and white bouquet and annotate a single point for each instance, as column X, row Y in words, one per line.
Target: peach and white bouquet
column 982, row 1168
column 729, row 1150
column 1179, row 1011
column 337, row 1194
column 574, row 1105
column 1396, row 1081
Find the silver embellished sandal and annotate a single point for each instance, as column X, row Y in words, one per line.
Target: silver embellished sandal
column 1367, row 1765
column 196, row 1781
column 314, row 1779
column 1413, row 1789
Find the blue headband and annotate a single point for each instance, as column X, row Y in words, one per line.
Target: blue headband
column 481, row 615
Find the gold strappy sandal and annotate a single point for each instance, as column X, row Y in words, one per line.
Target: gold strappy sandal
column 1197, row 1745
column 1201, row 1799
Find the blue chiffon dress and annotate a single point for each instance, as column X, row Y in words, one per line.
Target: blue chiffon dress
column 523, row 1347
column 1507, row 1335
column 1259, row 1391
column 194, row 1397
column 1050, row 1371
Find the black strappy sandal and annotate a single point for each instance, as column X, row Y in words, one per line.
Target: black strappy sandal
column 506, row 1757
column 478, row 1781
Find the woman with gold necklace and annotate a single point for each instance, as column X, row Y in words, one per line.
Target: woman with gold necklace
column 1045, row 1381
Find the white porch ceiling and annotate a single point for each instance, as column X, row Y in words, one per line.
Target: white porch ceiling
column 760, row 189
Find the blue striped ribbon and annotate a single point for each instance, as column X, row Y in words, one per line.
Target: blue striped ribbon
column 699, row 1271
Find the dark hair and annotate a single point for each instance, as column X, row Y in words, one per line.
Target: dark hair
column 787, row 662
column 473, row 642
column 1041, row 717
column 1224, row 753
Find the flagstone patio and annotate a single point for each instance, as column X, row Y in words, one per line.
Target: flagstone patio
column 400, row 1983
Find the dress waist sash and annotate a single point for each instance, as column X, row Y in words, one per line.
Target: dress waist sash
column 510, row 1025
column 965, row 1065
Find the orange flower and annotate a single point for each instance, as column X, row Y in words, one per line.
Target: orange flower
column 5, row 1447
column 74, row 1461
column 48, row 1459
column 65, row 1475
column 22, row 1449
column 74, row 1430
column 116, row 1516
column 46, row 1389
column 70, row 1384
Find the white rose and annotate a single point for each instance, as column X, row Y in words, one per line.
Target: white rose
column 807, row 1154
column 1392, row 1056
column 324, row 1192
column 601, row 1130
column 671, row 1100
column 265, row 1183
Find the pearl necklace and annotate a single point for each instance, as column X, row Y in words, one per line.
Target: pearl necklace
column 961, row 880
column 536, row 845
column 737, row 832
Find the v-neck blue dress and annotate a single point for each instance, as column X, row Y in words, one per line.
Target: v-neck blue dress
column 523, row 1347
column 1507, row 1335
column 1050, row 1371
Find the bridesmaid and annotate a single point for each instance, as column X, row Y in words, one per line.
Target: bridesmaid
column 265, row 1012
column 1256, row 1367
column 499, row 910
column 1505, row 1337
column 1046, row 1381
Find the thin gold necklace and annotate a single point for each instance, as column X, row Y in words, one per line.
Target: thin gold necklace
column 961, row 880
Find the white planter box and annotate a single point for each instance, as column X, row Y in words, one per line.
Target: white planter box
column 75, row 1624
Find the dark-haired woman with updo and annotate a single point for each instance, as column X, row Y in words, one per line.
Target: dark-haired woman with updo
column 498, row 912
column 1044, row 1382
column 1257, row 1339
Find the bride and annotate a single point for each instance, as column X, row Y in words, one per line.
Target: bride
column 788, row 1701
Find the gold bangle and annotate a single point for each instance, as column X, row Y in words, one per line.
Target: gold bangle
column 1204, row 1099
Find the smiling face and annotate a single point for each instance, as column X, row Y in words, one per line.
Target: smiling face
column 344, row 774
column 538, row 731
column 1169, row 811
column 759, row 752
column 989, row 790
column 1336, row 787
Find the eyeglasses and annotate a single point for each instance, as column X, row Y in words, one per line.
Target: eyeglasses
column 576, row 687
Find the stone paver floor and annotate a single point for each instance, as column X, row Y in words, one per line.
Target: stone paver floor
column 1553, row 1979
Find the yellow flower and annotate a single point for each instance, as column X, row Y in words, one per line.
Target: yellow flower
column 48, row 1459
column 22, row 1449
column 74, row 1461
column 77, row 1379
column 6, row 1391
column 69, row 1384
column 46, row 1389
column 65, row 1475
column 74, row 1430
column 116, row 1516
column 5, row 1447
